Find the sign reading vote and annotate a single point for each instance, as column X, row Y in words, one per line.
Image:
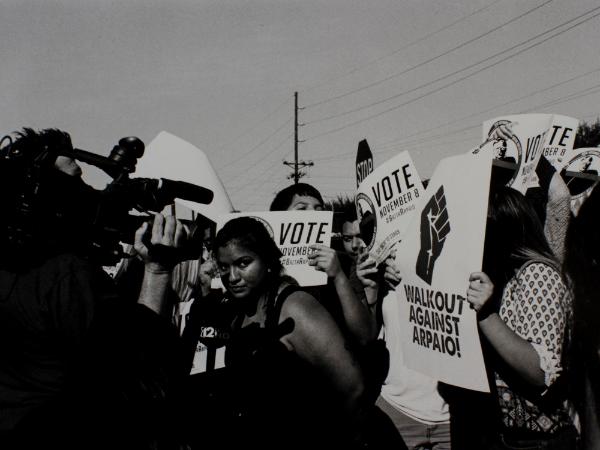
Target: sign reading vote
column 294, row 232
column 384, row 203
column 524, row 147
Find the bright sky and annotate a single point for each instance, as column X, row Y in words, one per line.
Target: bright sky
column 417, row 75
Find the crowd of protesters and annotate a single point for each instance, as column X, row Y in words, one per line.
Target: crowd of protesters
column 228, row 350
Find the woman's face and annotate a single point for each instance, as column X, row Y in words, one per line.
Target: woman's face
column 242, row 271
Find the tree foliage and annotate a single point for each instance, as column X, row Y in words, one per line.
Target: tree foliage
column 588, row 135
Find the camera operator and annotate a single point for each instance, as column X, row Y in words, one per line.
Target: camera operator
column 79, row 367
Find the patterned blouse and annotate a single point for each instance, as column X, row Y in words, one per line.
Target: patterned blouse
column 537, row 306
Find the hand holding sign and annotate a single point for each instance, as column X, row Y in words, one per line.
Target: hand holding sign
column 392, row 274
column 366, row 271
column 325, row 259
column 480, row 290
column 434, row 229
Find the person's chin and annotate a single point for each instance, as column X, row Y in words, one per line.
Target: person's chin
column 238, row 292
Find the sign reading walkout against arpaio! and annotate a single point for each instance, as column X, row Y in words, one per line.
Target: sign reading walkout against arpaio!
column 584, row 161
column 294, row 232
column 525, row 147
column 364, row 162
column 384, row 203
column 442, row 246
column 169, row 156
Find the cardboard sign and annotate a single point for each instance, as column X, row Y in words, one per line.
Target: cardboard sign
column 524, row 149
column 384, row 203
column 169, row 156
column 364, row 161
column 294, row 232
column 584, row 161
column 443, row 245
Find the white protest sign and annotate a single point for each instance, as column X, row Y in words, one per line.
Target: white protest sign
column 169, row 156
column 584, row 161
column 560, row 138
column 525, row 147
column 442, row 246
column 384, row 202
column 294, row 232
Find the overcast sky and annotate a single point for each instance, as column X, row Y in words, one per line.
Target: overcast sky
column 417, row 75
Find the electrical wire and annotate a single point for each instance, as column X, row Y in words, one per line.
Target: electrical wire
column 404, row 47
column 460, row 79
column 423, row 63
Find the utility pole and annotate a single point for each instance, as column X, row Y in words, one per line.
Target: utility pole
column 297, row 164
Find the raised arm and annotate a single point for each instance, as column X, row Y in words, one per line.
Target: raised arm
column 156, row 246
column 515, row 350
column 356, row 313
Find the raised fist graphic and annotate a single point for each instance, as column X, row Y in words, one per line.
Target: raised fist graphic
column 435, row 227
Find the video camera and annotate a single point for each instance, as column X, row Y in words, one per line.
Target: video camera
column 104, row 216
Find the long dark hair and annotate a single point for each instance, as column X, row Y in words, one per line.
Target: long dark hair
column 514, row 236
column 582, row 263
column 251, row 234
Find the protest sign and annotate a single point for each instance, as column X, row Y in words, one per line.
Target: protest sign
column 524, row 148
column 294, row 232
column 384, row 203
column 558, row 146
column 364, row 162
column 169, row 156
column 442, row 246
column 583, row 161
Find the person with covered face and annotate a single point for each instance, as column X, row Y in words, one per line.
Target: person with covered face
column 341, row 298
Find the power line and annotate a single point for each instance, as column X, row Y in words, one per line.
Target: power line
column 404, row 47
column 246, row 169
column 573, row 96
column 241, row 157
column 421, row 64
column 429, row 83
column 393, row 146
column 520, row 98
column 260, row 122
column 462, row 78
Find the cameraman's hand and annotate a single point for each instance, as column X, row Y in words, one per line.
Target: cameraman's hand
column 156, row 244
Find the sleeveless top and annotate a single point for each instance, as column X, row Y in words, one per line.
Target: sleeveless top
column 264, row 394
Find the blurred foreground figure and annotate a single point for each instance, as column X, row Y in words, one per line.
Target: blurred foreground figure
column 583, row 265
column 79, row 367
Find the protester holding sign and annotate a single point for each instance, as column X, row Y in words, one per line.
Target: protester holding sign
column 409, row 398
column 293, row 381
column 524, row 308
column 349, row 311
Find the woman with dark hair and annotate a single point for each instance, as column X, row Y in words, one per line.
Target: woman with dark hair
column 582, row 263
column 523, row 306
column 292, row 380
